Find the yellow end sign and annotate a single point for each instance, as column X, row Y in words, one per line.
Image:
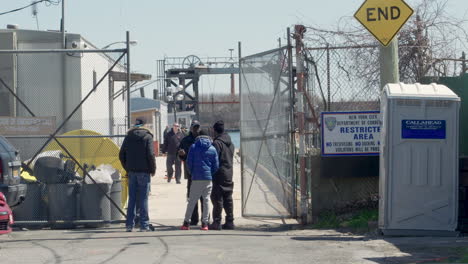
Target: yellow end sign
column 383, row 18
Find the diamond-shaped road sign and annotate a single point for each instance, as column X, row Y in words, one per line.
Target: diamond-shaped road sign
column 383, row 18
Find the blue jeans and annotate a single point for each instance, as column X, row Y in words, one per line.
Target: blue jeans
column 138, row 185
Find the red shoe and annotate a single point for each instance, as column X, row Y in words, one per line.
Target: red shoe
column 204, row 227
column 185, row 226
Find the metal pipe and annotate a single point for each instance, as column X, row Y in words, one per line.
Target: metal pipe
column 328, row 79
column 62, row 51
column 77, row 136
column 64, row 43
column 239, row 50
column 262, row 53
column 129, row 114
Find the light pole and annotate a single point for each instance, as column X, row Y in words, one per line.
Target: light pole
column 177, row 97
column 128, row 42
column 132, row 42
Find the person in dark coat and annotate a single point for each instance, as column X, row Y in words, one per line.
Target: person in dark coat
column 184, row 147
column 171, row 146
column 137, row 158
column 203, row 163
column 221, row 195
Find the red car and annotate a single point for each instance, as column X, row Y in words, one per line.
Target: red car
column 6, row 216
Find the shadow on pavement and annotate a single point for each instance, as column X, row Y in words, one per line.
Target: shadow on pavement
column 412, row 249
column 426, row 254
column 330, row 238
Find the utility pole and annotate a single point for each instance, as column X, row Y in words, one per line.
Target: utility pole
column 389, row 63
column 64, row 43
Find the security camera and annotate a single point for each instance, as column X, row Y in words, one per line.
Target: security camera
column 74, row 45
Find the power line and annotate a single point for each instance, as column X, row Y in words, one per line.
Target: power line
column 52, row 2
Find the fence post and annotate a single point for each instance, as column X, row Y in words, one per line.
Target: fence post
column 129, row 113
column 298, row 35
column 292, row 127
column 241, row 102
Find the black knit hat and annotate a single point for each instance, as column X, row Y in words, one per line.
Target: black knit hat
column 219, row 126
column 195, row 123
column 203, row 132
column 139, row 122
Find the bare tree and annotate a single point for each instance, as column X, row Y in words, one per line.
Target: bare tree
column 429, row 43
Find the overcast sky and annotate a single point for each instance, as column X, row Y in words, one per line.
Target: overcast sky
column 181, row 28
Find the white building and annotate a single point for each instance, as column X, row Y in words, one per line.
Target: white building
column 53, row 84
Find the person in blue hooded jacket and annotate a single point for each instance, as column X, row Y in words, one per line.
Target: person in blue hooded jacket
column 202, row 162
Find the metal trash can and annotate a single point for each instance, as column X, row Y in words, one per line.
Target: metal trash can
column 62, row 198
column 116, row 196
column 33, row 208
column 95, row 206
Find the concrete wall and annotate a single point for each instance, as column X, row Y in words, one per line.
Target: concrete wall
column 336, row 192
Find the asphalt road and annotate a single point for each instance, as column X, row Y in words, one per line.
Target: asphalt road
column 248, row 244
column 254, row 241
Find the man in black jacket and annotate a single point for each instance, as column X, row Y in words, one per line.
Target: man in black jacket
column 171, row 146
column 137, row 158
column 221, row 195
column 184, row 147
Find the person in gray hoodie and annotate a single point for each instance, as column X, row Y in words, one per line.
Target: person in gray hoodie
column 202, row 162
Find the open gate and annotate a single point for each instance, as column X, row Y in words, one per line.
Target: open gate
column 267, row 138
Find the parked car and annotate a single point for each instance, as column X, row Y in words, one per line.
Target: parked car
column 10, row 169
column 6, row 216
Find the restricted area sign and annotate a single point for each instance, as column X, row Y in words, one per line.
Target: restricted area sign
column 351, row 133
column 383, row 18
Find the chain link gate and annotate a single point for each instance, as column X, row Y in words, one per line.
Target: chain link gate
column 82, row 95
column 267, row 148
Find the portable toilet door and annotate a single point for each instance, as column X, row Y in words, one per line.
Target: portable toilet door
column 419, row 160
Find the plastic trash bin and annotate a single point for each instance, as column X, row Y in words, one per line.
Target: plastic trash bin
column 116, row 196
column 62, row 198
column 33, row 208
column 95, row 206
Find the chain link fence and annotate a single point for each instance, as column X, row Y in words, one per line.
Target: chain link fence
column 268, row 180
column 347, row 79
column 65, row 111
column 339, row 79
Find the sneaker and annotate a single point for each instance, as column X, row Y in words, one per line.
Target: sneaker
column 145, row 229
column 169, row 179
column 204, row 227
column 129, row 229
column 215, row 226
column 228, row 226
column 178, row 182
column 185, row 226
